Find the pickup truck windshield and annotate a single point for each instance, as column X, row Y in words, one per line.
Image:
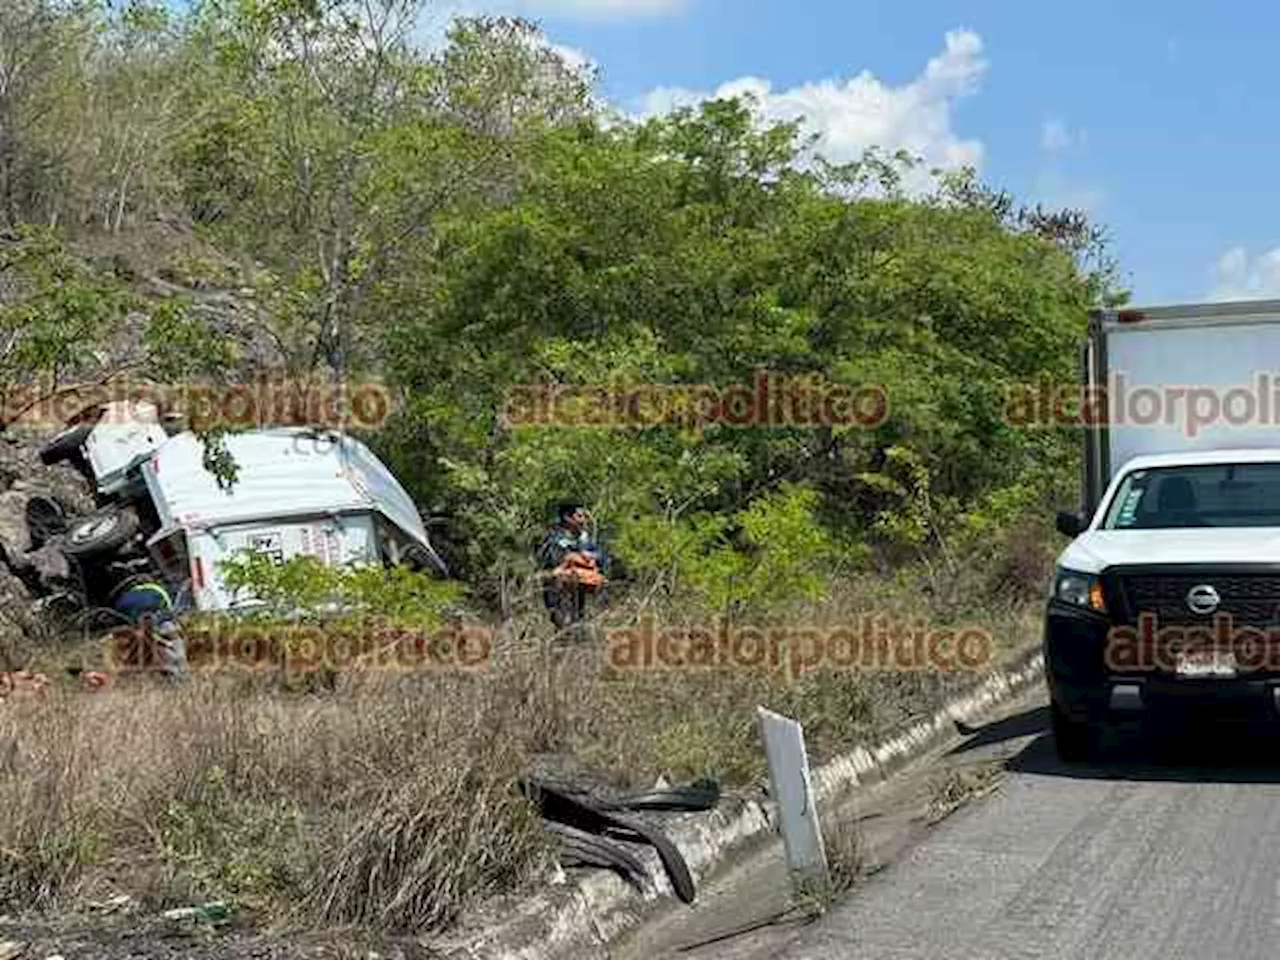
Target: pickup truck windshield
column 1216, row 495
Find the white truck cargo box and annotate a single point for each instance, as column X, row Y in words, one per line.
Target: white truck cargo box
column 1181, row 378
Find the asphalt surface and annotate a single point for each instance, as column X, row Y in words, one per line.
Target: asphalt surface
column 1171, row 854
column 1127, row 859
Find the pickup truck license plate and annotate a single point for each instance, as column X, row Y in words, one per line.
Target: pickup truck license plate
column 1211, row 663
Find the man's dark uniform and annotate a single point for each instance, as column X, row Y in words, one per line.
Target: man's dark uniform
column 567, row 601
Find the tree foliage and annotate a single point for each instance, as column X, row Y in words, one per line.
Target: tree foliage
column 466, row 222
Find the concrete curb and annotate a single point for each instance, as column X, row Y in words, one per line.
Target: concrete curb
column 579, row 918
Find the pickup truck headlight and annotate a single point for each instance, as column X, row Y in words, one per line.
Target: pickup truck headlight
column 1079, row 590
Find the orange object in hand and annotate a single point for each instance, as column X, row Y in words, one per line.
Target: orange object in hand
column 593, row 580
column 580, row 569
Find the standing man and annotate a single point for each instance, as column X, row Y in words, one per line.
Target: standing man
column 575, row 565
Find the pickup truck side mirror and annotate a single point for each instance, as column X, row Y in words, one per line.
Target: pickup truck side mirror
column 1070, row 523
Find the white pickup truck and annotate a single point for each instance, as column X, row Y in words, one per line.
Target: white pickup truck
column 1165, row 606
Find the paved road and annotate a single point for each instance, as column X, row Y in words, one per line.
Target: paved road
column 1131, row 859
column 1136, row 857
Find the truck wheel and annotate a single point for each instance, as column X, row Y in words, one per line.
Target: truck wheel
column 66, row 444
column 1072, row 739
column 100, row 533
column 45, row 519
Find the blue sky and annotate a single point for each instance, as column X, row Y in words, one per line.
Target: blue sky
column 1155, row 117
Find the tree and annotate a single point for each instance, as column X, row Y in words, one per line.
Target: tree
column 332, row 145
column 690, row 249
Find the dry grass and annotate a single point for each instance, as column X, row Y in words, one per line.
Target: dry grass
column 959, row 785
column 389, row 802
column 846, row 852
column 635, row 725
column 390, row 806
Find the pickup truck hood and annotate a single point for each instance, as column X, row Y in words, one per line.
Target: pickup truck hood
column 1095, row 550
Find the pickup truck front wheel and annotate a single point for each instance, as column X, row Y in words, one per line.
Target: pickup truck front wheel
column 100, row 533
column 1072, row 739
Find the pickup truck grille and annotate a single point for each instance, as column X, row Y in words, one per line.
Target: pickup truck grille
column 1250, row 599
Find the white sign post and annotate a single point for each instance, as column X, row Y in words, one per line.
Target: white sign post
column 792, row 790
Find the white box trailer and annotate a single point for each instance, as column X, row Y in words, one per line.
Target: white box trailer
column 193, row 557
column 1178, row 379
column 296, row 492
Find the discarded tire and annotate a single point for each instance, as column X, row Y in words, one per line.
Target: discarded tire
column 578, row 848
column 697, row 796
column 559, row 807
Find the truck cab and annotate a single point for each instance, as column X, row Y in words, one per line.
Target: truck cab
column 1165, row 605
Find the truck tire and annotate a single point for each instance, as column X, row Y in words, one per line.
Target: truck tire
column 100, row 533
column 1072, row 739
column 697, row 796
column 66, row 444
column 578, row 848
column 46, row 519
column 556, row 805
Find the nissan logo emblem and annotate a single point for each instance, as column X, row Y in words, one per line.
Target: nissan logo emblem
column 1203, row 599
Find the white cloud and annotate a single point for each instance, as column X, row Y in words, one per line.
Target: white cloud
column 1055, row 136
column 587, row 10
column 665, row 99
column 431, row 32
column 1052, row 187
column 434, row 20
column 1237, row 277
column 848, row 116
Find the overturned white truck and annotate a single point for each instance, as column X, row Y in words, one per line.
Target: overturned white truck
column 297, row 492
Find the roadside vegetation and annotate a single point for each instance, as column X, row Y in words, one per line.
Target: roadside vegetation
column 314, row 196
